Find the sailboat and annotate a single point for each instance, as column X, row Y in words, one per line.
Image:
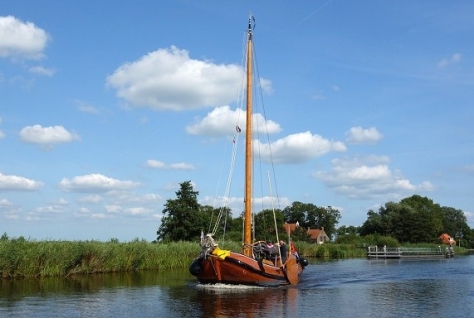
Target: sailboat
column 256, row 264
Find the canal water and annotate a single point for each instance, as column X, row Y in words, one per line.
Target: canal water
column 339, row 288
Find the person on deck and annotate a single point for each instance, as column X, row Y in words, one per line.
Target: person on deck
column 283, row 251
column 272, row 251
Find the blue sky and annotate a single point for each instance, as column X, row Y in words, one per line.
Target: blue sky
column 106, row 106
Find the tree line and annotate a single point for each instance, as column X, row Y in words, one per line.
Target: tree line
column 184, row 219
column 414, row 219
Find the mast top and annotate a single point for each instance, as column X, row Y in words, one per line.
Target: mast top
column 251, row 25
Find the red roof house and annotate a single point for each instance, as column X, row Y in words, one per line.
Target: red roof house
column 446, row 239
column 317, row 235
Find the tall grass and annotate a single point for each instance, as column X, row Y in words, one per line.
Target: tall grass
column 24, row 258
column 330, row 250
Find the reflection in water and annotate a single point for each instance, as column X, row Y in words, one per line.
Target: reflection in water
column 98, row 295
column 240, row 301
column 16, row 288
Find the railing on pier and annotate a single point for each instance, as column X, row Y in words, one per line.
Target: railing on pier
column 374, row 252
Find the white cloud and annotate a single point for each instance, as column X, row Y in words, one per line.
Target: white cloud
column 47, row 136
column 55, row 207
column 298, row 148
column 50, row 209
column 151, row 198
column 359, row 135
column 266, row 86
column 158, row 164
column 95, row 183
column 368, row 177
column 168, row 79
column 5, row 202
column 20, row 39
column 90, row 199
column 139, row 211
column 13, row 183
column 113, row 208
column 455, row 58
column 61, row 201
column 184, row 166
column 42, row 70
column 222, row 121
column 86, row 107
column 155, row 164
column 124, row 197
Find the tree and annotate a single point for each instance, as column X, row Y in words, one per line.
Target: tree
column 295, row 213
column 183, row 218
column 226, row 223
column 265, row 224
column 415, row 219
column 300, row 234
column 346, row 230
column 455, row 223
column 324, row 217
column 312, row 216
column 373, row 224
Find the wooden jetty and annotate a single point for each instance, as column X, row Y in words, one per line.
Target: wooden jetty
column 374, row 252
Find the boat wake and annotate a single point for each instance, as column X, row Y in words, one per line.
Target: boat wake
column 227, row 287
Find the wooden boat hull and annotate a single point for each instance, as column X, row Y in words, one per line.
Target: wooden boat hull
column 239, row 269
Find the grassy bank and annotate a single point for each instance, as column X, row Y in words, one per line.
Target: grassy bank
column 23, row 258
column 31, row 259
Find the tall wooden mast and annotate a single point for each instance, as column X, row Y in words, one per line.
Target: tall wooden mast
column 248, row 150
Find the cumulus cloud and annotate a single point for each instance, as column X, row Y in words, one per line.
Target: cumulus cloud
column 359, row 135
column 47, row 136
column 222, row 121
column 168, row 79
column 20, row 39
column 95, row 183
column 455, row 58
column 368, row 177
column 55, row 209
column 158, row 164
column 298, row 148
column 18, row 183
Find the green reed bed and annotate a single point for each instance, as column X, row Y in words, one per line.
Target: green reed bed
column 24, row 258
column 330, row 250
